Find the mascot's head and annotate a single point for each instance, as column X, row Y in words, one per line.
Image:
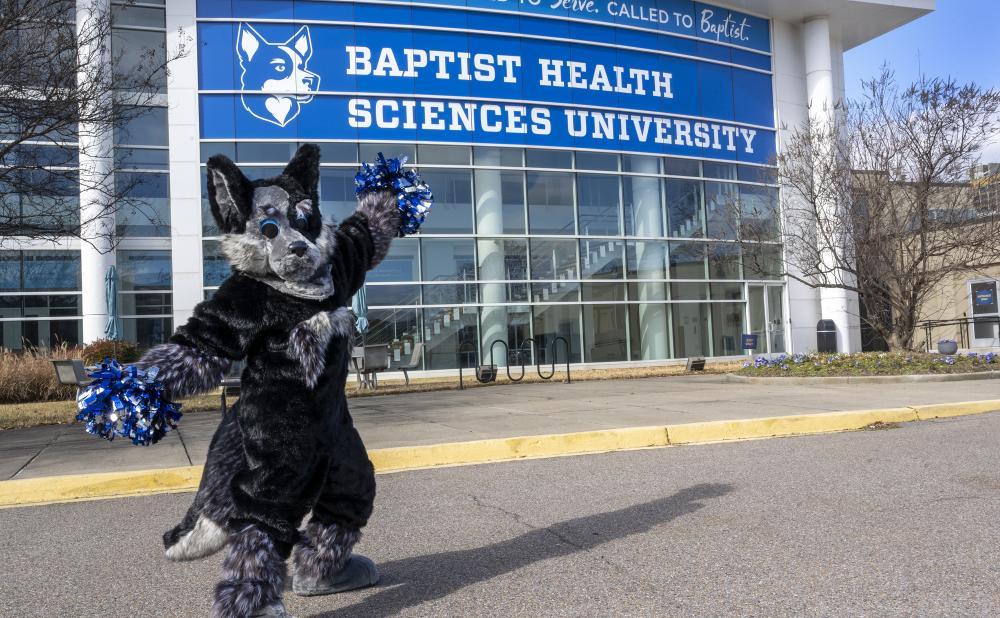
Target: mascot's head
column 272, row 227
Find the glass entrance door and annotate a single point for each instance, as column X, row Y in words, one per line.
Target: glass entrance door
column 767, row 318
column 985, row 312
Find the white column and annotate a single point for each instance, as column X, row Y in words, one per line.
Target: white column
column 489, row 220
column 836, row 304
column 96, row 145
column 654, row 342
column 185, row 154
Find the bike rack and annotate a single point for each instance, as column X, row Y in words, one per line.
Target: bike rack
column 529, row 345
column 506, row 351
column 532, row 345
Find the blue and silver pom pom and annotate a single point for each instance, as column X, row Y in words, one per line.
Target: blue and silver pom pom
column 415, row 197
column 126, row 402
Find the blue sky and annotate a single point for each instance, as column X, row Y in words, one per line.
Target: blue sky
column 960, row 39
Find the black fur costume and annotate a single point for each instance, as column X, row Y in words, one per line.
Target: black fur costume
column 288, row 445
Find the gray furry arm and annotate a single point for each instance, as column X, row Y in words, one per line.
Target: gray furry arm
column 185, row 370
column 381, row 208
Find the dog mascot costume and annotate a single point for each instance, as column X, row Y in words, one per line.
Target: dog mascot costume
column 288, row 446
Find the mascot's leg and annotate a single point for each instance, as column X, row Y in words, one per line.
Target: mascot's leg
column 322, row 559
column 202, row 533
column 253, row 577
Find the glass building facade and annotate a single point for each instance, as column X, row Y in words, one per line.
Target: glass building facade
column 625, row 257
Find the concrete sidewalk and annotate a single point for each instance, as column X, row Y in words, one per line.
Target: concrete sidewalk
column 495, row 412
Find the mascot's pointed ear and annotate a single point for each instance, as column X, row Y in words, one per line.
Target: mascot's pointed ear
column 230, row 195
column 304, row 168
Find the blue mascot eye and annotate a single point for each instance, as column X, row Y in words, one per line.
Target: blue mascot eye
column 269, row 228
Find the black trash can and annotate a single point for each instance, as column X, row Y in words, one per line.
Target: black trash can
column 826, row 336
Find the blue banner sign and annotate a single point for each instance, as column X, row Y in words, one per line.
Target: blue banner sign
column 373, row 72
column 749, row 342
column 984, row 297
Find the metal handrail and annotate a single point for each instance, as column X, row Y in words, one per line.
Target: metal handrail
column 963, row 333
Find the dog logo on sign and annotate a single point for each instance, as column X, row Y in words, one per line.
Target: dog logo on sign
column 276, row 80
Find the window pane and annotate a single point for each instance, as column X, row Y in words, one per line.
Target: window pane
column 548, row 158
column 596, row 161
column 15, row 335
column 451, row 294
column 448, row 259
column 503, row 259
column 762, row 262
column 147, row 209
column 643, row 208
column 552, row 321
column 688, row 291
column 400, row 264
column 727, row 326
column 684, row 208
column 726, row 171
column 215, row 266
column 10, row 271
column 138, row 16
column 446, row 331
column 140, row 55
column 393, row 295
column 512, row 325
column 647, row 259
column 553, row 259
column 687, row 260
column 369, row 152
column 265, row 152
column 147, row 332
column 640, row 164
column 726, row 291
column 721, row 207
column 555, row 292
column 602, row 259
column 604, row 333
column 396, row 328
column 649, row 331
column 602, row 292
column 759, row 213
column 493, row 156
column 337, row 199
column 145, row 126
column 51, row 270
column 144, row 270
column 597, row 197
column 339, row 152
column 681, row 167
column 442, row 155
column 499, row 202
column 550, row 203
column 452, row 212
column 723, row 260
column 690, row 329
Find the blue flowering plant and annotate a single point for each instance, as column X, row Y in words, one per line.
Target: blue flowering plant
column 869, row 363
column 414, row 196
column 126, row 402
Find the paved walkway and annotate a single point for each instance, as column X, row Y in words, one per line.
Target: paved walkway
column 493, row 412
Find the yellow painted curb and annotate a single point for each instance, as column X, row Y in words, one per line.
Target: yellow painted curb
column 506, row 449
column 743, row 429
column 945, row 410
column 57, row 489
column 51, row 489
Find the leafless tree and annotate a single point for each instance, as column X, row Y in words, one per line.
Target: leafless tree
column 877, row 200
column 61, row 89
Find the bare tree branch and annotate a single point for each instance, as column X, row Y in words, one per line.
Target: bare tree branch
column 57, row 74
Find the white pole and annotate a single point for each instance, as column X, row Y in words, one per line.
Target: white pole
column 96, row 145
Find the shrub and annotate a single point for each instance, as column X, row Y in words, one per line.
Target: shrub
column 95, row 352
column 28, row 375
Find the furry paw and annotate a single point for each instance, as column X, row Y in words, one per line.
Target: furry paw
column 206, row 538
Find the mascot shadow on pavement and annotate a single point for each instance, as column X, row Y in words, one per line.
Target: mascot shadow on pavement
column 288, row 446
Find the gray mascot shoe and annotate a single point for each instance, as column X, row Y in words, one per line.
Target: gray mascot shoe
column 274, row 610
column 358, row 572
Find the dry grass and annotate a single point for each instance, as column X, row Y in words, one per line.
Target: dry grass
column 28, row 375
column 18, row 415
